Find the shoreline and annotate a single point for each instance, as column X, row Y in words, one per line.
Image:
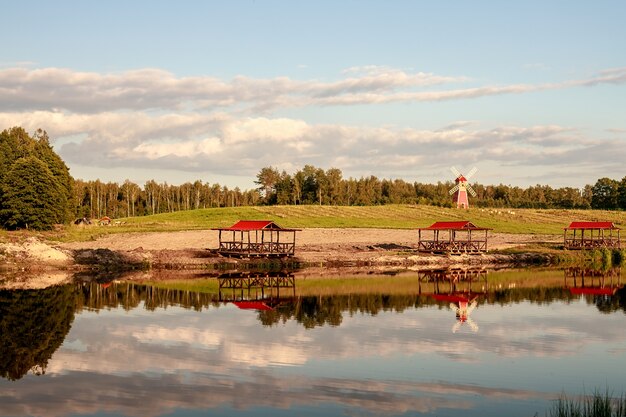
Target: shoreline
column 330, row 248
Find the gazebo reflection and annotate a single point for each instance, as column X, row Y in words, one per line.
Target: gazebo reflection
column 461, row 288
column 594, row 282
column 257, row 290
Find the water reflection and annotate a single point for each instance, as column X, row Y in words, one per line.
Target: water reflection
column 455, row 286
column 376, row 345
column 257, row 290
column 588, row 281
column 599, row 286
column 33, row 325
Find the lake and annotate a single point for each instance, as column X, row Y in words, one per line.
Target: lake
column 284, row 343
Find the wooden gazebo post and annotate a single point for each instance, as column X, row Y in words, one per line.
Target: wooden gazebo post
column 486, row 239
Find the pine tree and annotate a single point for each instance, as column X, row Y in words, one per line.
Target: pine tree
column 45, row 187
column 32, row 197
column 43, row 150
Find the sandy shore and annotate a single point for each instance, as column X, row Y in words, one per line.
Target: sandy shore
column 35, row 264
column 314, row 245
column 312, row 239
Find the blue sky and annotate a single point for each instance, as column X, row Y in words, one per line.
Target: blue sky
column 529, row 92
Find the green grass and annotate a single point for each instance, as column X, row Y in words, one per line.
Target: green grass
column 389, row 216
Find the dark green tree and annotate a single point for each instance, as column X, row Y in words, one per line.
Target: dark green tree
column 309, row 185
column 43, row 151
column 267, row 179
column 621, row 194
column 36, row 189
column 31, row 196
column 605, row 194
column 284, row 189
column 14, row 144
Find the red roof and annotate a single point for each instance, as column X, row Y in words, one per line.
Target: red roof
column 254, row 225
column 452, row 298
column 245, row 225
column 252, row 305
column 591, row 225
column 461, row 225
column 593, row 291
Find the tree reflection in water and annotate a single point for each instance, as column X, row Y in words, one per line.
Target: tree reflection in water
column 33, row 324
column 284, row 304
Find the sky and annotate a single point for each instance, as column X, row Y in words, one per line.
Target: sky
column 529, row 92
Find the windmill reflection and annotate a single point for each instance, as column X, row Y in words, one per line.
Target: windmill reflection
column 257, row 290
column 462, row 313
column 458, row 288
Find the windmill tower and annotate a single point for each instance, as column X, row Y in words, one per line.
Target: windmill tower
column 460, row 190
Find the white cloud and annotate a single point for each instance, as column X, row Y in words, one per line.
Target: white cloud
column 258, row 130
column 186, row 149
column 218, row 142
column 151, row 119
column 25, row 89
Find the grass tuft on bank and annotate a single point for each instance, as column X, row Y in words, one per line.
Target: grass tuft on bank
column 597, row 405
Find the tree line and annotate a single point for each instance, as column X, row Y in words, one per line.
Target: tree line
column 312, row 185
column 96, row 199
column 37, row 191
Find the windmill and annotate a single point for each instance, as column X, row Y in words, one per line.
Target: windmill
column 462, row 187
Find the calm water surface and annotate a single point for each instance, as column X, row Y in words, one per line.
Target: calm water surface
column 503, row 343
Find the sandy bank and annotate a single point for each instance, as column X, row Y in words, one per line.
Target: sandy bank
column 314, row 245
column 34, row 264
column 370, row 248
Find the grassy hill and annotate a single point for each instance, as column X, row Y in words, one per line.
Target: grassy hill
column 389, row 216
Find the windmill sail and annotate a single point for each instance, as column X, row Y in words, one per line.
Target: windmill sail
column 470, row 189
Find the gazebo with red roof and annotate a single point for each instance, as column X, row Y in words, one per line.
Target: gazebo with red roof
column 453, row 237
column 256, row 238
column 591, row 235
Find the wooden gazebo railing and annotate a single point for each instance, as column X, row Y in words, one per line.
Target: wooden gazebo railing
column 256, row 238
column 453, row 237
column 591, row 235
